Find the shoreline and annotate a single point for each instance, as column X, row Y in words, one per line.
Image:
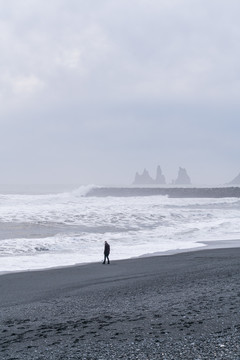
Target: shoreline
column 184, row 306
column 207, row 245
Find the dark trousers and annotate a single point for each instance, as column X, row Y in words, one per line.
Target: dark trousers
column 106, row 257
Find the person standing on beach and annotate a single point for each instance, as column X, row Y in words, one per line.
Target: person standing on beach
column 106, row 252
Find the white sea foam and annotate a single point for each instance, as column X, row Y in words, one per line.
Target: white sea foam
column 79, row 225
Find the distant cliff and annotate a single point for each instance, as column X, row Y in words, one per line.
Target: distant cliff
column 235, row 181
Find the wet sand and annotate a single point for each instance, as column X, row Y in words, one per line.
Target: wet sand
column 183, row 306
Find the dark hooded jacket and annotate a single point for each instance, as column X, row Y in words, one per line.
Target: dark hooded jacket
column 106, row 249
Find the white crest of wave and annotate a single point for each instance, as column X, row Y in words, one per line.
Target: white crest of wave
column 66, row 197
column 83, row 190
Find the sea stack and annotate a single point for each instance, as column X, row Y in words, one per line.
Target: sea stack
column 143, row 179
column 183, row 178
column 160, row 178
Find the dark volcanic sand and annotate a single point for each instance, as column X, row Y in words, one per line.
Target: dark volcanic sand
column 183, row 306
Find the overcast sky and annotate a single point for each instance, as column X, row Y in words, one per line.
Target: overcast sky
column 93, row 91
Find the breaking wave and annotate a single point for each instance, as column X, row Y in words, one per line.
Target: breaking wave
column 47, row 230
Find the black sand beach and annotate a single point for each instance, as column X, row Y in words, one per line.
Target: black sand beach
column 183, row 306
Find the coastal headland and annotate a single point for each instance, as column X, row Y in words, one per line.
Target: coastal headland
column 172, row 192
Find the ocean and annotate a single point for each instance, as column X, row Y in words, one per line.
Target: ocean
column 45, row 228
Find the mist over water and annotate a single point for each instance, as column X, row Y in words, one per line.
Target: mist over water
column 57, row 229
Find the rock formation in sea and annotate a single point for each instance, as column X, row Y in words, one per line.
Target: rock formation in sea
column 235, row 181
column 146, row 179
column 143, row 179
column 183, row 178
column 160, row 178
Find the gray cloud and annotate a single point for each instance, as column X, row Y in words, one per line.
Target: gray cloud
column 93, row 91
